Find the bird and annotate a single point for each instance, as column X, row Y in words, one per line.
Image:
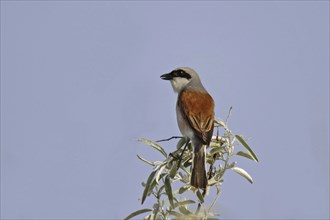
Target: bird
column 195, row 118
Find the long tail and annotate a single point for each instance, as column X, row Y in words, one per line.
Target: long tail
column 198, row 174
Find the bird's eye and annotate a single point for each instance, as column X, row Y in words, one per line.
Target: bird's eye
column 179, row 73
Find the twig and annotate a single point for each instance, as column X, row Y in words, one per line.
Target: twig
column 229, row 113
column 181, row 155
column 173, row 137
column 215, row 199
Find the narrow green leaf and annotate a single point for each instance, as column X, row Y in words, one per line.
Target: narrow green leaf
column 219, row 123
column 151, row 187
column 148, row 183
column 168, row 190
column 173, row 169
column 213, row 181
column 187, row 163
column 183, row 203
column 146, row 161
column 243, row 154
column 231, row 165
column 184, row 210
column 180, row 143
column 138, row 212
column 242, row 141
column 185, row 177
column 160, row 190
column 216, row 150
column 155, row 208
column 181, row 175
column 200, row 196
column 154, row 145
column 243, row 173
column 176, row 214
column 183, row 189
column 190, row 147
column 159, row 174
column 148, row 217
column 218, row 190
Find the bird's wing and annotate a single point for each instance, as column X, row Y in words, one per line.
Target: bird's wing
column 198, row 109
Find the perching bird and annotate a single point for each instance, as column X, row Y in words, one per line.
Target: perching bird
column 195, row 116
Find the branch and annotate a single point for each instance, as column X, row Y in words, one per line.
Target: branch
column 173, row 137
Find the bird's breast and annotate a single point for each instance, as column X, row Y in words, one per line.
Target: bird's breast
column 183, row 124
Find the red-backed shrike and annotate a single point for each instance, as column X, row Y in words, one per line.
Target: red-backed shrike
column 195, row 116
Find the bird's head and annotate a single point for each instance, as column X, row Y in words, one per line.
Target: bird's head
column 182, row 77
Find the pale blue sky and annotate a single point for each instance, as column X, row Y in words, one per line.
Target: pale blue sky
column 80, row 83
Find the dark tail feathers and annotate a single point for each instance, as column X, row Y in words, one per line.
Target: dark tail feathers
column 198, row 174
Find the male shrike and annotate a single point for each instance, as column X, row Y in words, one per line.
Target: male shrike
column 195, row 116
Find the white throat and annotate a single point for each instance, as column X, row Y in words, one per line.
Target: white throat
column 179, row 83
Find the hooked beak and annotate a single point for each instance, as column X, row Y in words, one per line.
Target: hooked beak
column 167, row 76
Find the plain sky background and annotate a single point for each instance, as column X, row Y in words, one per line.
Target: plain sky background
column 80, row 83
